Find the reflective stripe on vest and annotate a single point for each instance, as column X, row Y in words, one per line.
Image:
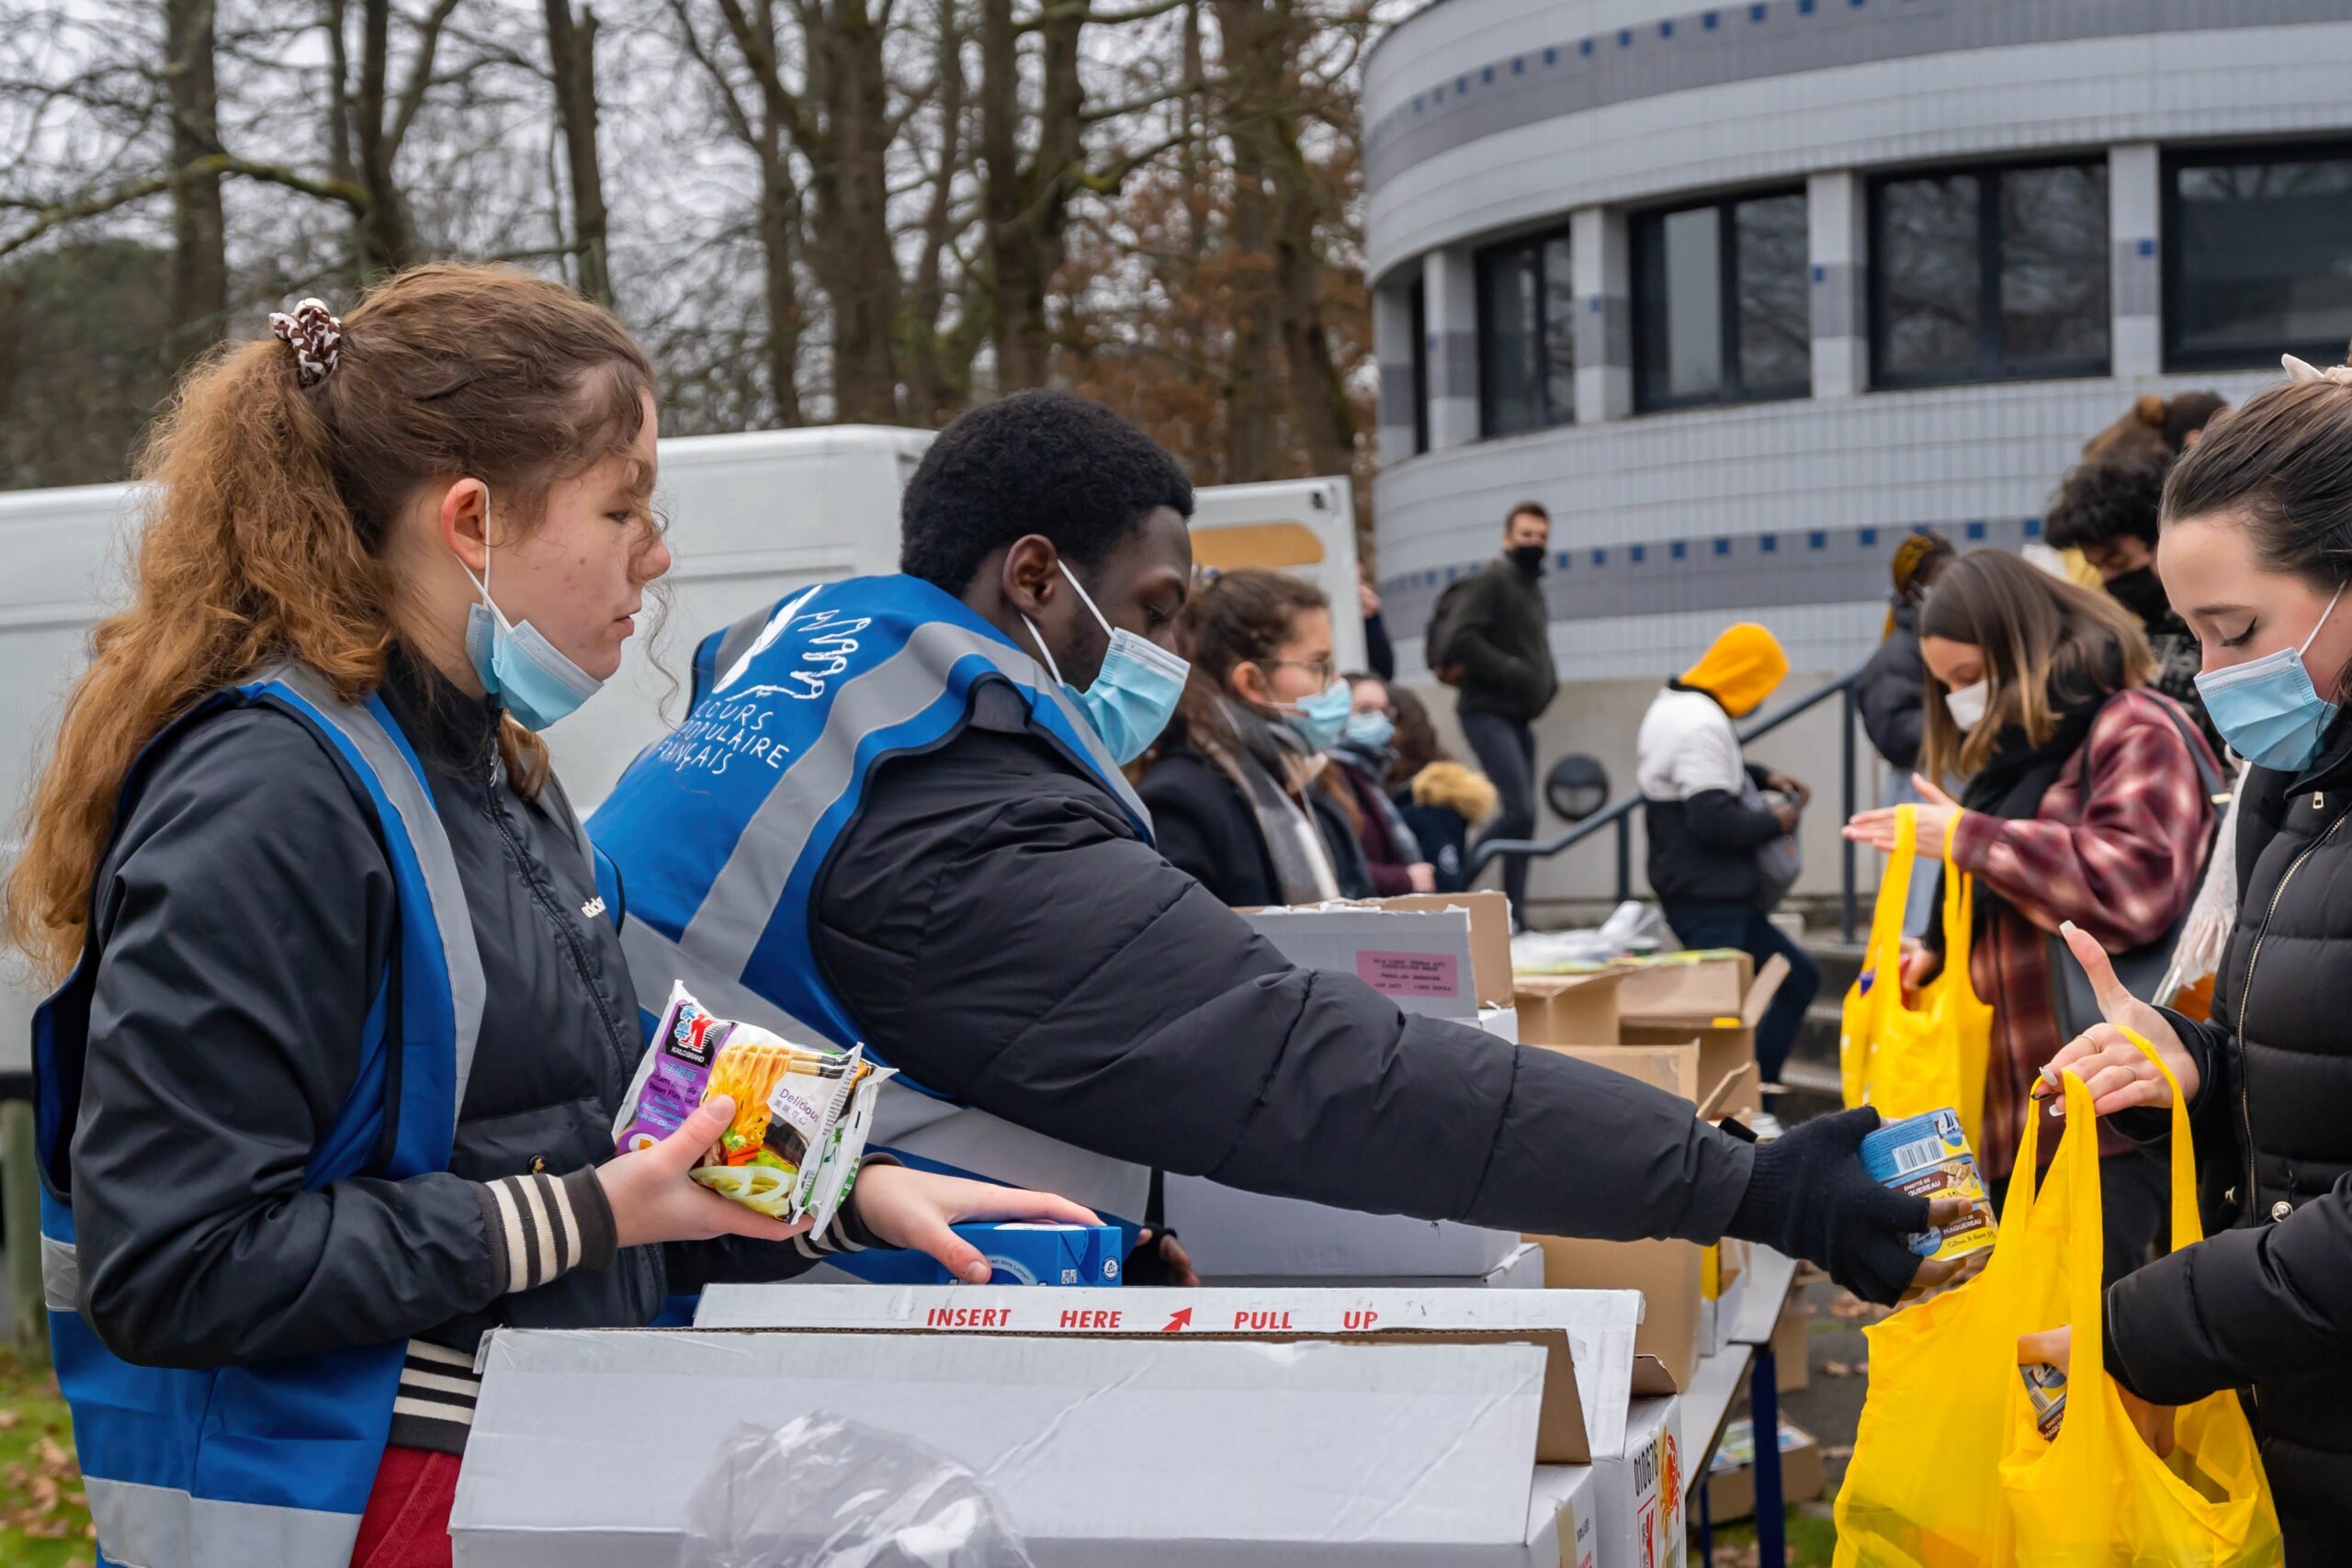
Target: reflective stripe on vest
column 273, row 1463
column 721, row 843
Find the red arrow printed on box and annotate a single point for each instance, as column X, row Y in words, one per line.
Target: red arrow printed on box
column 1180, row 1321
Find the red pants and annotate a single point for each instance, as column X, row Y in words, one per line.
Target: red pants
column 407, row 1522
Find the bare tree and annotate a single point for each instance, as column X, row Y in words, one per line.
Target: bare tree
column 571, row 60
column 198, row 304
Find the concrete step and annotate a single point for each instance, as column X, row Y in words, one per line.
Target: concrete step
column 1816, row 1041
column 1841, row 962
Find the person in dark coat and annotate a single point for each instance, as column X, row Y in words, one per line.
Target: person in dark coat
column 205, row 864
column 2256, row 517
column 1893, row 681
column 1379, row 651
column 1497, row 653
column 2107, row 508
column 1004, row 931
column 1890, row 689
column 1361, row 760
column 1233, row 788
column 1441, row 802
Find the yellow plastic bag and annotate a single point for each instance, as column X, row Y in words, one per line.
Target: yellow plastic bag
column 1910, row 1060
column 1948, row 1469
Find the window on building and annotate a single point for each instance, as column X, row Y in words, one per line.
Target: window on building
column 1418, row 305
column 1527, row 362
column 2257, row 257
column 1989, row 275
column 1720, row 308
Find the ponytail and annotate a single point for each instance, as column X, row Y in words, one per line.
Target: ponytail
column 247, row 554
column 272, row 488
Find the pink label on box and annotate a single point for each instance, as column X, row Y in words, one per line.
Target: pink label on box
column 1410, row 974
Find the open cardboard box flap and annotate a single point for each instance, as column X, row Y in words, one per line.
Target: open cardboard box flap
column 1670, row 1274
column 1162, row 1453
column 1588, row 1337
column 1710, row 993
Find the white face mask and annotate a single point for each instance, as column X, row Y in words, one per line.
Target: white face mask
column 1967, row 705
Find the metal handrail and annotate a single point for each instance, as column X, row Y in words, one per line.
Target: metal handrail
column 1619, row 814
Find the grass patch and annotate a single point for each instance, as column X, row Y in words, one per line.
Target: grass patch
column 44, row 1518
column 1812, row 1539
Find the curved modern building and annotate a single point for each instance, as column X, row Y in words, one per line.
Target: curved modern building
column 1743, row 293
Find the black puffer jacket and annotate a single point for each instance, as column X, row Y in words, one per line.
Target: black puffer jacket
column 247, row 918
column 1892, row 689
column 1001, row 934
column 2266, row 1300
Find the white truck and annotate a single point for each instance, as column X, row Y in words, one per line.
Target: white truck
column 751, row 517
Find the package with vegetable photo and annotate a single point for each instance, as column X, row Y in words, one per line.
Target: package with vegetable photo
column 801, row 1111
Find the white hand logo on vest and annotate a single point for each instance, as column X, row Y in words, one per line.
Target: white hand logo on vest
column 730, row 726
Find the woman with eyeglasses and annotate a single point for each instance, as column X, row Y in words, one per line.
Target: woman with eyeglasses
column 1232, row 788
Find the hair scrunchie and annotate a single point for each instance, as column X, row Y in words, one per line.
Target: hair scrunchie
column 315, row 334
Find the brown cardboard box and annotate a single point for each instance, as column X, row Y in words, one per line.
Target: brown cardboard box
column 1731, row 1487
column 1569, row 1010
column 1489, row 915
column 1679, row 985
column 1668, row 1273
column 1652, row 1013
column 1793, row 1349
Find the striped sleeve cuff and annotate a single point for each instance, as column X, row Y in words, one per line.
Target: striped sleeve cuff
column 847, row 1232
column 541, row 1227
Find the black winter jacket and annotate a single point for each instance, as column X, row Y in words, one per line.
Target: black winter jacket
column 247, row 918
column 1892, row 689
column 1501, row 637
column 1000, row 932
column 2266, row 1300
column 1205, row 826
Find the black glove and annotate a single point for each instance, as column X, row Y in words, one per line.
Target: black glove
column 1810, row 1198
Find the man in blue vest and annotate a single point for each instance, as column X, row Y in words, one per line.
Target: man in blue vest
column 896, row 814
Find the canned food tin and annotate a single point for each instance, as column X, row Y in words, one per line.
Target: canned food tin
column 2045, row 1385
column 1927, row 1156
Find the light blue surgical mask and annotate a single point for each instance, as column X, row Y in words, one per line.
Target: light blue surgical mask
column 1323, row 717
column 2267, row 709
column 514, row 662
column 1134, row 694
column 1371, row 730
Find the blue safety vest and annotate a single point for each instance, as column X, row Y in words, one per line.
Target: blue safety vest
column 723, row 830
column 272, row 1463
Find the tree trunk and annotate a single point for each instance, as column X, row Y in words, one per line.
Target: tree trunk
column 1027, row 198
column 779, row 226
column 199, row 275
column 1325, row 421
column 571, row 55
column 935, row 386
column 385, row 242
column 1252, row 74
column 852, row 255
column 1020, row 362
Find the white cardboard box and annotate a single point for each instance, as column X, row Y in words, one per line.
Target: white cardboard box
column 1643, row 1518
column 1571, row 1495
column 1231, row 1232
column 1149, row 1453
column 1587, row 1335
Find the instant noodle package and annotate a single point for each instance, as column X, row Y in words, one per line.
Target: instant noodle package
column 802, row 1113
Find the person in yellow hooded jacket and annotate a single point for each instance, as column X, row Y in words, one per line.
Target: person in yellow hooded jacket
column 1711, row 821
